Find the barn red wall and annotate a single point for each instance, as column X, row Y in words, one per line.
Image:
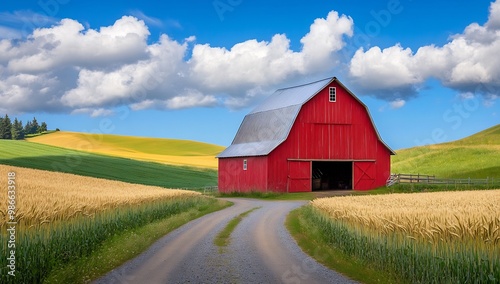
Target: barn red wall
column 383, row 165
column 232, row 177
column 340, row 130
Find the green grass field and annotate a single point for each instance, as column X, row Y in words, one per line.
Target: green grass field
column 44, row 157
column 476, row 156
column 167, row 151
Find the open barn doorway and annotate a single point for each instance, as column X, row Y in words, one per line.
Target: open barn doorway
column 331, row 175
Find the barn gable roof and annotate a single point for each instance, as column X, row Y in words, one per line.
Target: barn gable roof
column 268, row 125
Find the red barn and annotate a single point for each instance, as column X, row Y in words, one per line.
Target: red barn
column 310, row 137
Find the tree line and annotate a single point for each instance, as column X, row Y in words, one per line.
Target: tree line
column 16, row 131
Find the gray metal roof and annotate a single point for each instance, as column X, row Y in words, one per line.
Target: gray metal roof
column 268, row 125
column 262, row 132
column 298, row 95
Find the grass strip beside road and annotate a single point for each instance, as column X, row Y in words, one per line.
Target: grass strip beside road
column 223, row 237
column 313, row 242
column 123, row 247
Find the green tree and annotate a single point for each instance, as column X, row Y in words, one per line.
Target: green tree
column 27, row 128
column 20, row 129
column 1, row 127
column 17, row 130
column 43, row 127
column 34, row 126
column 13, row 130
column 6, row 128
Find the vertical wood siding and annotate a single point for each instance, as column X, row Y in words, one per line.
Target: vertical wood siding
column 232, row 177
column 299, row 176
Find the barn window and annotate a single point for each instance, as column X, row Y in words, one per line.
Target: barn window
column 245, row 164
column 333, row 94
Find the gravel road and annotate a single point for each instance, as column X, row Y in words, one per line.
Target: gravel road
column 261, row 251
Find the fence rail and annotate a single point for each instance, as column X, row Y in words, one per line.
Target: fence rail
column 427, row 179
column 210, row 189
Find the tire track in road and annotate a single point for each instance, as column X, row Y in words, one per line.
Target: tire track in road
column 261, row 251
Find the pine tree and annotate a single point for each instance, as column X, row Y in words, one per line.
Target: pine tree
column 27, row 128
column 17, row 130
column 1, row 127
column 43, row 127
column 13, row 131
column 34, row 126
column 21, row 130
column 6, row 128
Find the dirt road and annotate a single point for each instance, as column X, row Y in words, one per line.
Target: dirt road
column 261, row 251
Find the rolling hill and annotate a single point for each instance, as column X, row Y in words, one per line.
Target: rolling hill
column 476, row 156
column 51, row 158
column 166, row 151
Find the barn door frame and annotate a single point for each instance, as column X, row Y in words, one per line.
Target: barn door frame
column 299, row 176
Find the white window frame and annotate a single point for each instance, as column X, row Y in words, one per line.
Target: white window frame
column 332, row 94
column 245, row 164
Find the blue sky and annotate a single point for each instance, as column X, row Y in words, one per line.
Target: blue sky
column 429, row 71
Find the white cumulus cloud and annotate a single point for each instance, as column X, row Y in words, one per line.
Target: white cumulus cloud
column 398, row 103
column 387, row 72
column 191, row 98
column 72, row 68
column 69, row 67
column 260, row 64
column 469, row 62
column 69, row 44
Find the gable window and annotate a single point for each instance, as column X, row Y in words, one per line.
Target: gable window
column 333, row 94
column 245, row 164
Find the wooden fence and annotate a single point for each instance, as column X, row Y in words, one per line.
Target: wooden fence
column 210, row 189
column 418, row 178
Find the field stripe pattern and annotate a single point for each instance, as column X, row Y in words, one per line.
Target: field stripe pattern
column 44, row 157
column 166, row 151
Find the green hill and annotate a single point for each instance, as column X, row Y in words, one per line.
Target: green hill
column 44, row 157
column 166, row 151
column 476, row 156
column 489, row 137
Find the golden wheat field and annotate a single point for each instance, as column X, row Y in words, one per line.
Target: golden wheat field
column 436, row 216
column 43, row 196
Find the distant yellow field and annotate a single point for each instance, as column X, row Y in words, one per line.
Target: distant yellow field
column 44, row 196
column 167, row 151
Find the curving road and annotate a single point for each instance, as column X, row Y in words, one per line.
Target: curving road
column 261, row 251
